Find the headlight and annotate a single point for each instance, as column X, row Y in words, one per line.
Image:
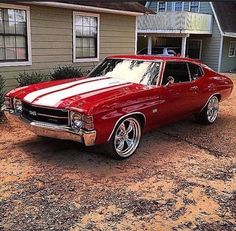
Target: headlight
column 18, row 106
column 76, row 121
column 7, row 103
column 79, row 121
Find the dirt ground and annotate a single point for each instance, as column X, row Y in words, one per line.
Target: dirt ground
column 183, row 177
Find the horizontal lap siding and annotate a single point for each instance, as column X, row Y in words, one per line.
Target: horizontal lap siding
column 117, row 35
column 228, row 63
column 51, row 40
column 211, row 48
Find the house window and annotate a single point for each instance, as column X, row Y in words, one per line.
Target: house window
column 178, row 6
column 194, row 6
column 14, row 37
column 86, row 30
column 194, row 48
column 162, row 6
column 232, row 49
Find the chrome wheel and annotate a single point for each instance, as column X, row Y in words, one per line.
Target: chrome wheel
column 127, row 137
column 212, row 109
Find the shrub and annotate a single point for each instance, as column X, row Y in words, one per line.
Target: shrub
column 25, row 79
column 2, row 91
column 66, row 72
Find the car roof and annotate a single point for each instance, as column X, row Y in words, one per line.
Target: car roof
column 154, row 58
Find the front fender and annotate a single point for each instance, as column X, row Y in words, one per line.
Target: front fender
column 105, row 124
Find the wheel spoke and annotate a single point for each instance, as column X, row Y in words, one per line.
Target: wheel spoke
column 122, row 127
column 121, row 145
column 130, row 128
column 118, row 137
column 129, row 142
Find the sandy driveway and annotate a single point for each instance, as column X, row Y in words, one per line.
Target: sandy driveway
column 183, row 177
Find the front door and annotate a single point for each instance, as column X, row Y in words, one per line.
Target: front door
column 179, row 97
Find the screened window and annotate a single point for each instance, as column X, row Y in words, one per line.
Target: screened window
column 178, row 6
column 232, row 49
column 179, row 71
column 194, row 48
column 13, row 35
column 86, row 36
column 162, row 6
column 194, row 6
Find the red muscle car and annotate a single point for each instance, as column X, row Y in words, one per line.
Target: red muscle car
column 122, row 98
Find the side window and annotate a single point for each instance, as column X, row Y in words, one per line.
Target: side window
column 179, row 71
column 195, row 71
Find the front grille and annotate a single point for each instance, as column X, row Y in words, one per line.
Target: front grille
column 47, row 115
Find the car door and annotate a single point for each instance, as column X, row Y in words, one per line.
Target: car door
column 179, row 97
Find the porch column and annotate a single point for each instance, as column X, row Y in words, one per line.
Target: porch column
column 183, row 46
column 149, row 45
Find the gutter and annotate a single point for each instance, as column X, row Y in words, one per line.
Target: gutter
column 85, row 8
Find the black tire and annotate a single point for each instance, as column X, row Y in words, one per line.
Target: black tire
column 136, row 133
column 204, row 117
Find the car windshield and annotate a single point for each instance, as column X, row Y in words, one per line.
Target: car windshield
column 136, row 71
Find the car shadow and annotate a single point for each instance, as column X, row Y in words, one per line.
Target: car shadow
column 70, row 154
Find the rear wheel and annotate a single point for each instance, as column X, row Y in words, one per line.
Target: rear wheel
column 125, row 139
column 210, row 112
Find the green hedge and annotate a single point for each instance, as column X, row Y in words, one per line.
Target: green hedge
column 25, row 79
column 66, row 72
column 2, row 92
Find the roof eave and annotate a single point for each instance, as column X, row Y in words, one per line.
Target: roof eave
column 229, row 34
column 86, row 8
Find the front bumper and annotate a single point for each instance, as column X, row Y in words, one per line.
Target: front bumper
column 88, row 138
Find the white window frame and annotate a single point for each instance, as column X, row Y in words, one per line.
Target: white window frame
column 199, row 5
column 29, row 50
column 159, row 4
column 182, row 7
column 76, row 60
column 200, row 53
column 232, row 42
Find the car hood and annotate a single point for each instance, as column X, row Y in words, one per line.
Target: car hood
column 84, row 95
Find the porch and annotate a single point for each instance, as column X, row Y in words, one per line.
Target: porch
column 176, row 26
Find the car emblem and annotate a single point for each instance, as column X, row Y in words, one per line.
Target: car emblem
column 33, row 113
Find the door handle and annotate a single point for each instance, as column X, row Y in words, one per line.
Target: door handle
column 194, row 88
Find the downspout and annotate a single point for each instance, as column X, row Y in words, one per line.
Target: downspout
column 220, row 53
column 136, row 36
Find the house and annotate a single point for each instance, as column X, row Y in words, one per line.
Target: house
column 201, row 30
column 40, row 36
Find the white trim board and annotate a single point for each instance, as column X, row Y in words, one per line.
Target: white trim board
column 29, row 50
column 76, row 60
column 215, row 16
column 136, row 36
column 85, row 8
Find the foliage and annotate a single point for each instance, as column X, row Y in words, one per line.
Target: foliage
column 66, row 72
column 25, row 79
column 2, row 91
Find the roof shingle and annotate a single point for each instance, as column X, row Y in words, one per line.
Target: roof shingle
column 114, row 5
column 226, row 14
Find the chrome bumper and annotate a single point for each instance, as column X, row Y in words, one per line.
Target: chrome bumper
column 88, row 138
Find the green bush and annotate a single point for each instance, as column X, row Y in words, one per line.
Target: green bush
column 25, row 79
column 66, row 72
column 2, row 91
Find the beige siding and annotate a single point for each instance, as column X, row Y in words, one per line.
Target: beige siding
column 51, row 40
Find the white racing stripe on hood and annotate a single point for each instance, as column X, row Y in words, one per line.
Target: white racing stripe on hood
column 33, row 95
column 53, row 99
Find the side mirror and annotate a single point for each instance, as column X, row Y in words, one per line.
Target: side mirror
column 171, row 80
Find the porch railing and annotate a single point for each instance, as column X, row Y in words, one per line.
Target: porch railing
column 176, row 22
